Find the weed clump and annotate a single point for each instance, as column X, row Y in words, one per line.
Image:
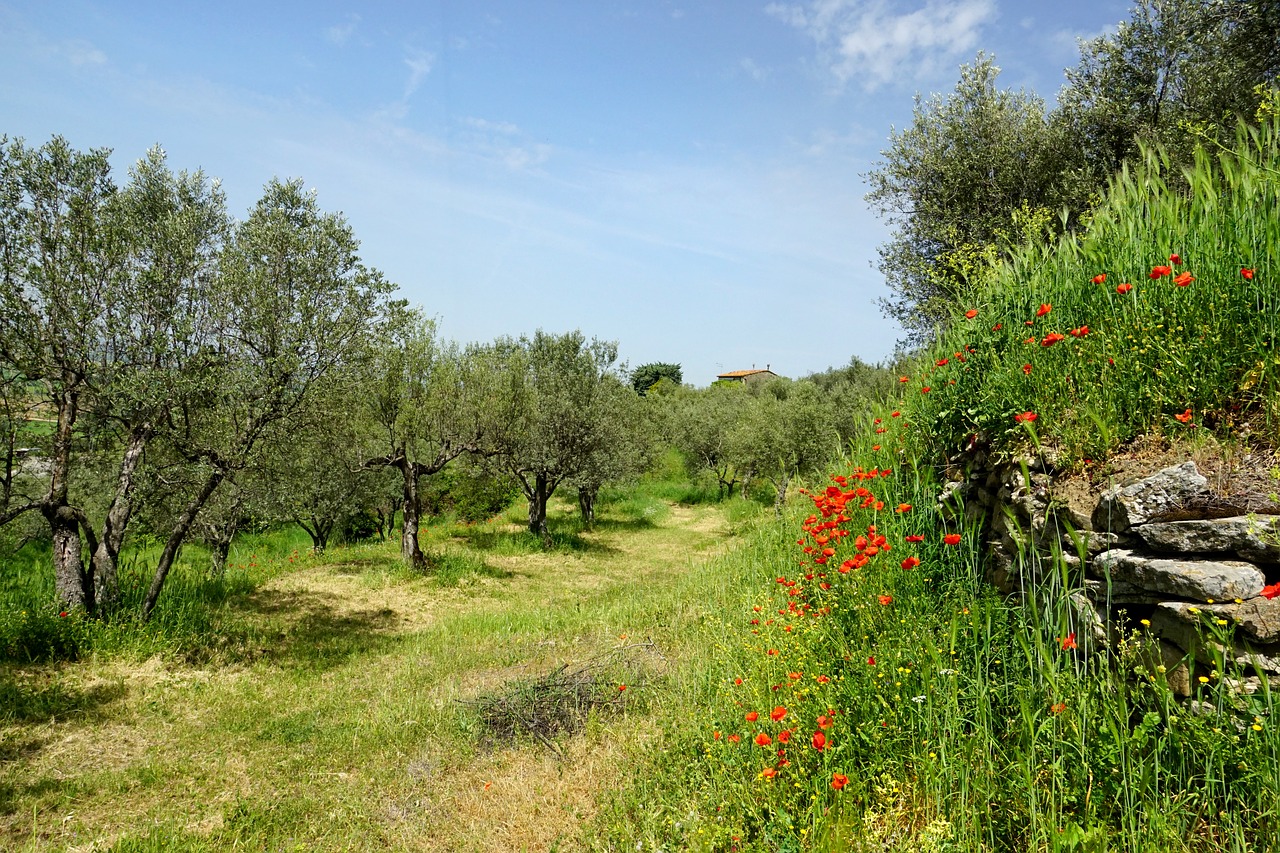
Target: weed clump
column 561, row 701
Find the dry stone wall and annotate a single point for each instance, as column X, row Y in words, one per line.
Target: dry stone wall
column 1164, row 552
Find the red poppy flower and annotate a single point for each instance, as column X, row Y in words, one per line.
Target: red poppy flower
column 752, row 716
column 1051, row 339
column 768, row 772
column 895, row 414
column 777, row 713
column 1080, row 332
column 1247, row 273
column 1157, row 272
column 925, row 390
column 838, row 781
column 734, row 738
column 784, row 736
column 1030, row 340
column 1124, row 288
column 885, row 600
column 1175, row 259
column 715, row 735
column 1068, row 642
column 622, row 688
column 1044, row 308
column 1025, row 417
column 914, row 538
column 904, row 507
column 971, row 313
column 1099, row 278
column 1184, row 279
column 1026, row 369
column 942, row 362
column 951, row 539
column 819, row 741
column 763, row 739
column 871, row 661
column 904, row 378
column 1270, row 592
column 997, row 327
column 824, row 722
column 910, row 563
column 1057, row 708
column 1185, row 417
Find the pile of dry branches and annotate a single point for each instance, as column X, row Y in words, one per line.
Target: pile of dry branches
column 560, row 701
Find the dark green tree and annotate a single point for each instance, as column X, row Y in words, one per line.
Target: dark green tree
column 974, row 169
column 1174, row 73
column 646, row 376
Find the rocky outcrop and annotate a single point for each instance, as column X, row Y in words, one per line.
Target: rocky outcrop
column 1162, row 496
column 1197, row 580
column 1152, row 551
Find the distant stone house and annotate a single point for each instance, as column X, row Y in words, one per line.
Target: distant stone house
column 748, row 376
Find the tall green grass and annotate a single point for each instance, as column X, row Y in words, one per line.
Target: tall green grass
column 187, row 620
column 1206, row 351
column 954, row 719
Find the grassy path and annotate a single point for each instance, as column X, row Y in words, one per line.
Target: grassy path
column 334, row 725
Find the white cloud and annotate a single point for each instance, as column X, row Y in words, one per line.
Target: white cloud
column 749, row 67
column 79, row 52
column 340, row 34
column 420, row 63
column 872, row 42
column 505, row 128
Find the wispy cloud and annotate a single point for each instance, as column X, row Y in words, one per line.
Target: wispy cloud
column 420, row 64
column 872, row 42
column 80, row 52
column 340, row 34
column 752, row 69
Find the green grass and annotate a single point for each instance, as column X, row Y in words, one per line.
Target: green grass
column 1206, row 351
column 959, row 719
column 327, row 710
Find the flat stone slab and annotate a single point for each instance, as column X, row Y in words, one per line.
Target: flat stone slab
column 1184, row 625
column 1255, row 538
column 1199, row 580
column 1162, row 495
column 1257, row 619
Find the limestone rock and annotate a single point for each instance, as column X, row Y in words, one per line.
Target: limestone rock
column 1257, row 619
column 1199, row 580
column 1151, row 499
column 1181, row 624
column 1095, row 543
column 1119, row 593
column 1254, row 538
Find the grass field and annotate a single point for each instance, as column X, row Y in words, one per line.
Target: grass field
column 336, row 715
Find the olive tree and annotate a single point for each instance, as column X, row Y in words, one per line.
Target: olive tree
column 554, row 411
column 103, row 312
column 425, row 403
column 292, row 302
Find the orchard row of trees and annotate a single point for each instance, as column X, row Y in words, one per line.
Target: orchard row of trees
column 983, row 169
column 168, row 373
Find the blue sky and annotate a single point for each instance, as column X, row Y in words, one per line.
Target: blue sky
column 682, row 177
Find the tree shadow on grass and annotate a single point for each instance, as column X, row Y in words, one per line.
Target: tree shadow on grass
column 14, row 795
column 521, row 542
column 27, row 701
column 313, row 629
